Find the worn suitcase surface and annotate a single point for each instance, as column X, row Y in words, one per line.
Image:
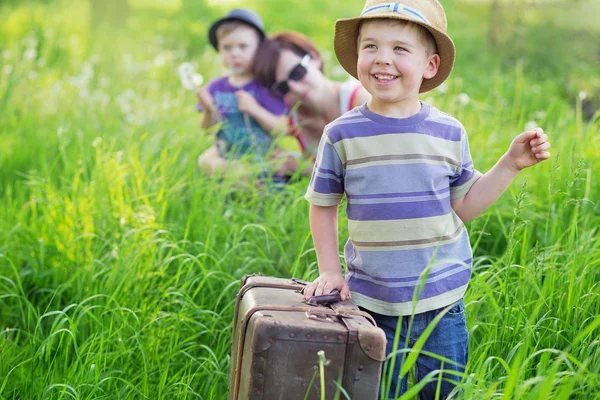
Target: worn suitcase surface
column 276, row 337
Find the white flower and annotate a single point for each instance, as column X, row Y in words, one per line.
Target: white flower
column 443, row 88
column 582, row 95
column 97, row 141
column 186, row 73
column 531, row 125
column 539, row 115
column 198, row 80
column 30, row 42
column 160, row 60
column 30, row 54
column 463, row 99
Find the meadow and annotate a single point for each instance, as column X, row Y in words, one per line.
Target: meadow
column 120, row 261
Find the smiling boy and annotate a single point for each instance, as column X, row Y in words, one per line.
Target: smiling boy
column 408, row 177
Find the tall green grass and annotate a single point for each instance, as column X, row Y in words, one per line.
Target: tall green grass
column 120, row 261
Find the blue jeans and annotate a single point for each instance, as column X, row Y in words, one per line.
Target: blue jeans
column 448, row 339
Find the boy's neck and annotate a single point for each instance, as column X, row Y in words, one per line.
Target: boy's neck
column 240, row 80
column 404, row 109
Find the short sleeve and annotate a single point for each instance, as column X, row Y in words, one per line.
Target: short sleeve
column 466, row 175
column 327, row 182
column 272, row 103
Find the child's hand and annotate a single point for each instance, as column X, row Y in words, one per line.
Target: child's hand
column 284, row 163
column 528, row 149
column 325, row 283
column 246, row 102
column 204, row 98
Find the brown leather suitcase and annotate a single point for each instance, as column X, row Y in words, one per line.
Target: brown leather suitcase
column 276, row 337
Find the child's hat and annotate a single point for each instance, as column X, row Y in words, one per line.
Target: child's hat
column 237, row 14
column 427, row 13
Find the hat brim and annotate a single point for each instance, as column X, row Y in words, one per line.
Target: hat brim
column 212, row 32
column 345, row 44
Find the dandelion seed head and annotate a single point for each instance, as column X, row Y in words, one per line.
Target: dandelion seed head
column 7, row 69
column 30, row 54
column 463, row 99
column 97, row 142
column 582, row 95
column 443, row 88
column 186, row 72
column 530, row 125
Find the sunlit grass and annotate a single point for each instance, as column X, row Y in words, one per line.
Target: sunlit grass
column 120, row 261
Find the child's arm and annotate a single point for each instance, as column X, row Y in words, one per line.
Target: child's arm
column 324, row 229
column 526, row 150
column 209, row 111
column 268, row 121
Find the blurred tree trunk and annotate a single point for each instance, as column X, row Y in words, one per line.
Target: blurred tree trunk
column 109, row 12
column 495, row 22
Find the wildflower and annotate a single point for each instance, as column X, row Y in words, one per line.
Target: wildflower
column 531, row 125
column 187, row 76
column 198, row 80
column 160, row 61
column 443, row 88
column 97, row 141
column 30, row 54
column 582, row 95
column 463, row 99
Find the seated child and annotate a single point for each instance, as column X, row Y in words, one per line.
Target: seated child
column 247, row 111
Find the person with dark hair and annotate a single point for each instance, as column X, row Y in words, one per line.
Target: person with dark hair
column 295, row 72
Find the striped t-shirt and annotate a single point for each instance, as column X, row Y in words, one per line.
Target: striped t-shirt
column 399, row 176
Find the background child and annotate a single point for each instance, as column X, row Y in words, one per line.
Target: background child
column 248, row 111
column 410, row 184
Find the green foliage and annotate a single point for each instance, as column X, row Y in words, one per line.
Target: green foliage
column 119, row 260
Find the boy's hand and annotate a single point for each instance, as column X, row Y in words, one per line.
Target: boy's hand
column 246, row 102
column 204, row 98
column 325, row 283
column 528, row 149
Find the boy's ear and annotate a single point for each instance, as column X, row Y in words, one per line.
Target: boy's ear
column 432, row 66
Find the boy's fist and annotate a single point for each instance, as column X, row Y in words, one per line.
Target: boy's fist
column 246, row 102
column 528, row 149
column 325, row 283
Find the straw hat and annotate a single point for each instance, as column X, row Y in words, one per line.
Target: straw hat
column 427, row 13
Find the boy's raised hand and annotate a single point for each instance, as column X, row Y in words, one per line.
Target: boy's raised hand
column 325, row 283
column 528, row 149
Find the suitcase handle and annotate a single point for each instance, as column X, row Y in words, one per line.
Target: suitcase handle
column 325, row 299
